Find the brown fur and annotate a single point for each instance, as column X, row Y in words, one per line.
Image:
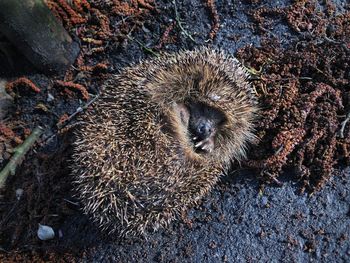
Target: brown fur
column 134, row 160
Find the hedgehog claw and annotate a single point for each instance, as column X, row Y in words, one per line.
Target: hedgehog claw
column 199, row 144
column 206, row 145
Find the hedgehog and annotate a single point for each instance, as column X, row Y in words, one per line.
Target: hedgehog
column 159, row 137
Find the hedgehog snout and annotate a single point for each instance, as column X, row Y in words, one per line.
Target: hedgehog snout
column 204, row 129
column 203, row 133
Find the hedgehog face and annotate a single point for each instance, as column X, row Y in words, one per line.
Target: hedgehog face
column 202, row 123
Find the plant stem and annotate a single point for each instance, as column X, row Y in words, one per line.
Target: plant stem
column 19, row 153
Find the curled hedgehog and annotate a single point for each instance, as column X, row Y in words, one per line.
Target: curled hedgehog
column 159, row 137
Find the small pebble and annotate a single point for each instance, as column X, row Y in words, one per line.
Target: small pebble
column 45, row 232
column 19, row 193
column 50, row 97
column 264, row 201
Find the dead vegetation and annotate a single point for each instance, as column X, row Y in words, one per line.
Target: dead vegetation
column 303, row 93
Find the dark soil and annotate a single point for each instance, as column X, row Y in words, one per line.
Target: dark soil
column 299, row 56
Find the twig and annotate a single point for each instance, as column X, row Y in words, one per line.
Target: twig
column 343, row 124
column 273, row 178
column 71, row 202
column 78, row 110
column 62, row 125
column 279, row 150
column 179, row 23
column 143, row 46
column 19, row 153
column 253, row 71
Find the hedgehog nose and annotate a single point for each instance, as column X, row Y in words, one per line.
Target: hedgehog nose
column 204, row 129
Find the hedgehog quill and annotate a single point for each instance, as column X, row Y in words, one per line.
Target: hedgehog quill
column 159, row 137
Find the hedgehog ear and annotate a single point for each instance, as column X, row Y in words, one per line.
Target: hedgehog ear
column 183, row 112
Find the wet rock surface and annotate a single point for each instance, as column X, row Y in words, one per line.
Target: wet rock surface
column 239, row 223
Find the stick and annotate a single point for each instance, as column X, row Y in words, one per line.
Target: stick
column 19, row 153
column 62, row 125
column 179, row 23
column 78, row 110
column 143, row 46
column 343, row 124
